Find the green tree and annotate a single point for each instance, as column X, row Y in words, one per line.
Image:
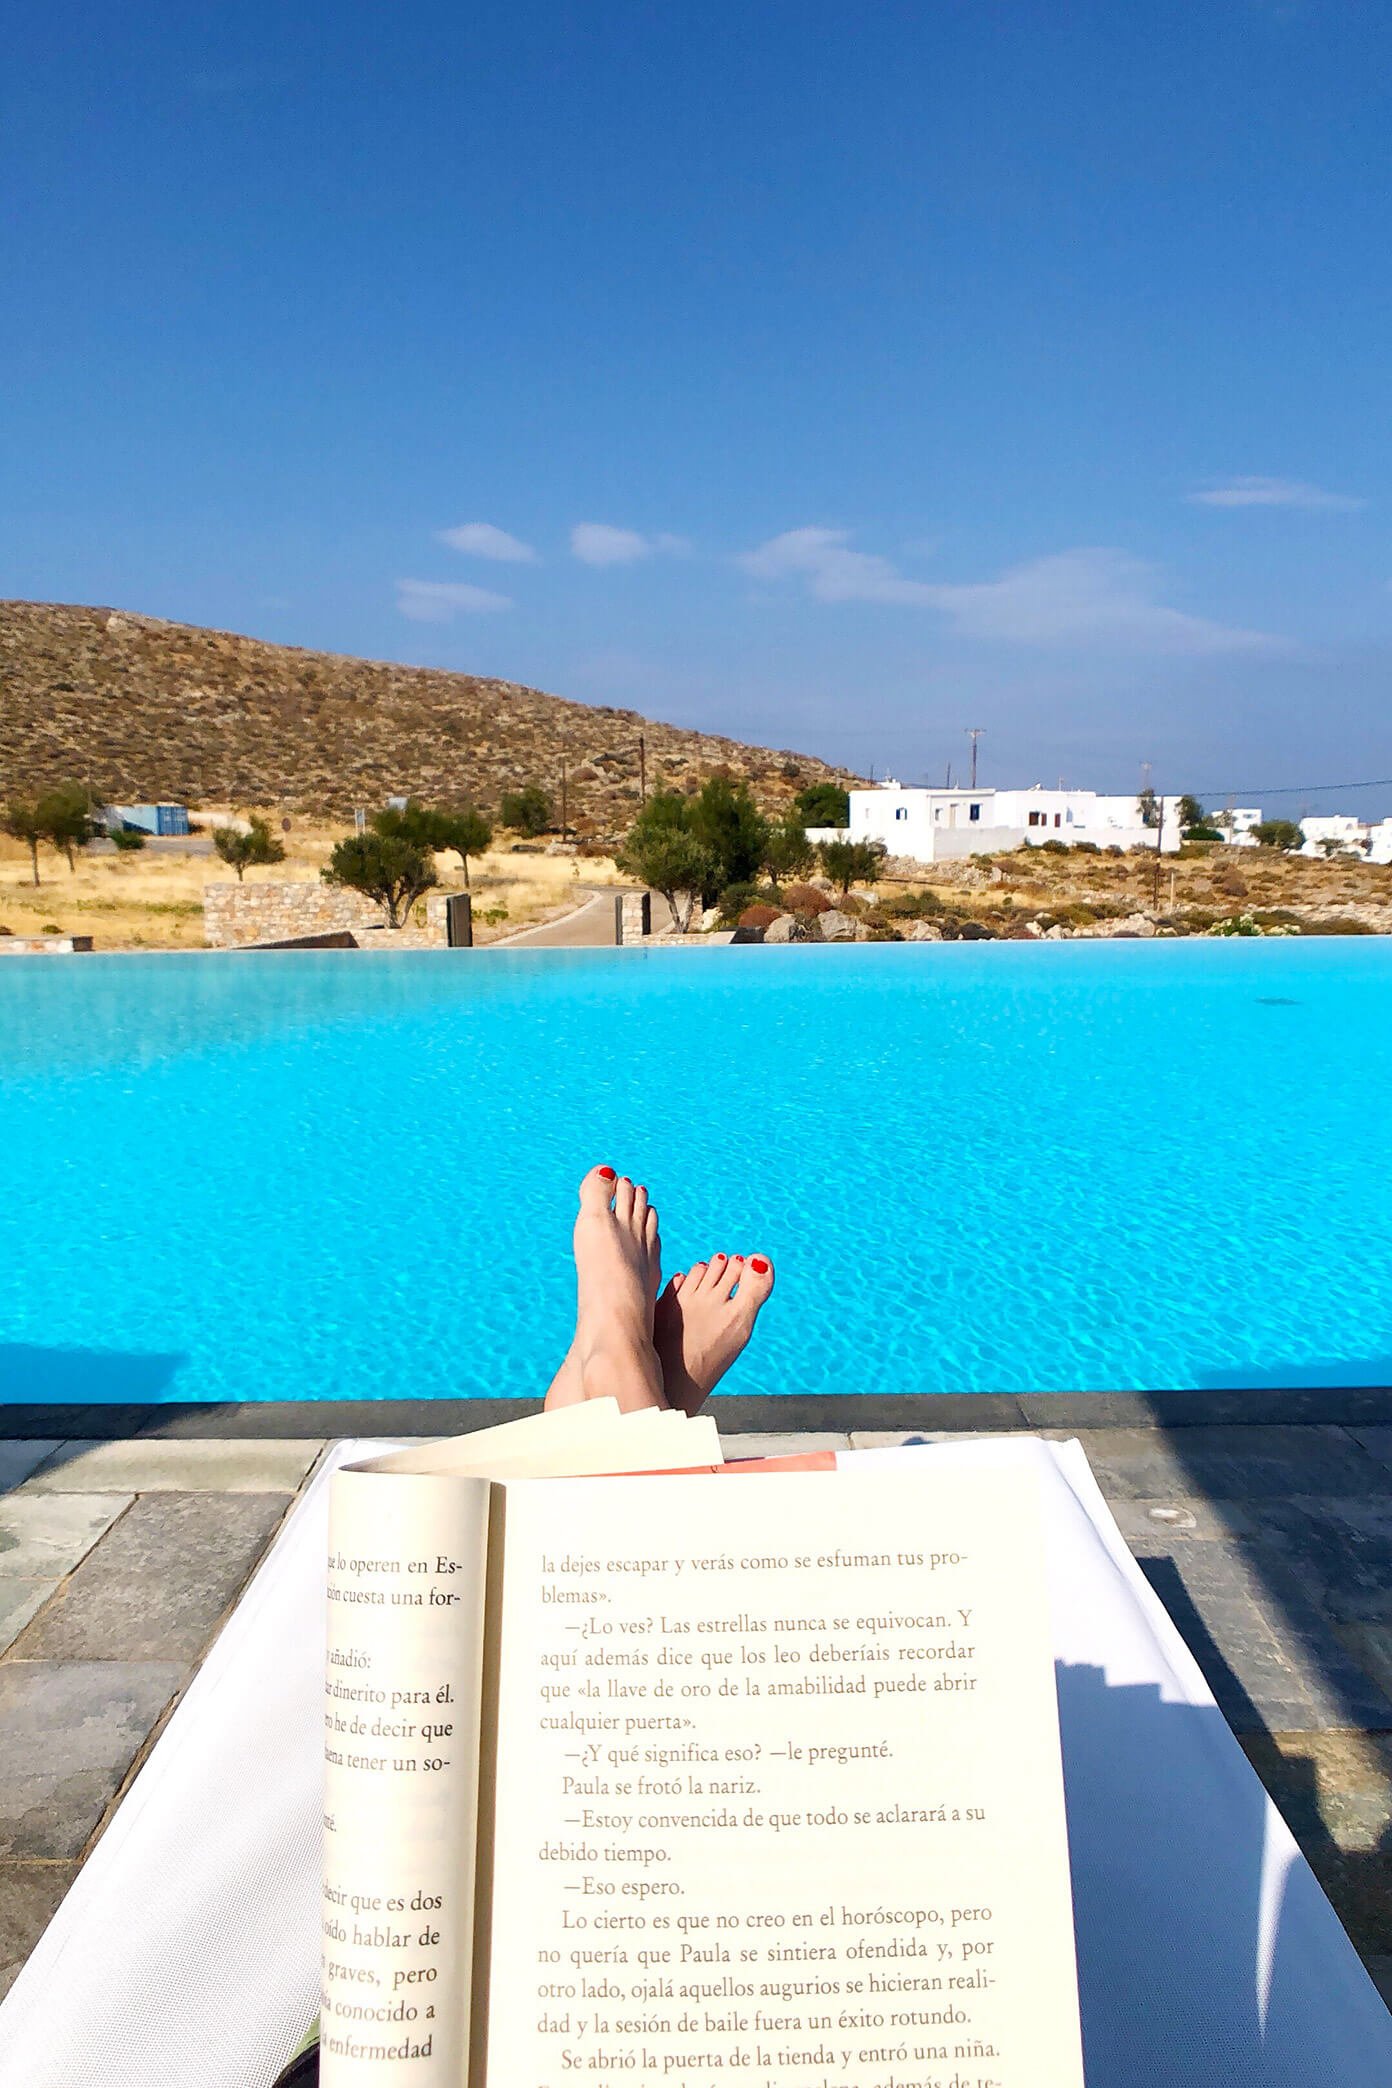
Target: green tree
column 661, row 850
column 724, row 818
column 1148, row 805
column 387, row 868
column 823, row 805
column 468, row 833
column 240, row 850
column 1191, row 813
column 463, row 832
column 23, row 821
column 1283, row 834
column 845, row 862
column 69, row 821
column 787, row 851
column 527, row 811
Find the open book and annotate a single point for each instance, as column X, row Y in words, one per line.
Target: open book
column 663, row 1778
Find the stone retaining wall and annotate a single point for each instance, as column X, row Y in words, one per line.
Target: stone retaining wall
column 237, row 914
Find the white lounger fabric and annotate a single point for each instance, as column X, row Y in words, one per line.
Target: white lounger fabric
column 186, row 1954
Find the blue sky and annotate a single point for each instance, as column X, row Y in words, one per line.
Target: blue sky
column 833, row 376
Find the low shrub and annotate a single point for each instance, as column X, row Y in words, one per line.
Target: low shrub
column 733, row 901
column 911, row 906
column 1086, row 848
column 127, row 839
column 758, row 916
column 1052, row 847
column 805, row 899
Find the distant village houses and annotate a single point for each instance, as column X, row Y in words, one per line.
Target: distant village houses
column 931, row 826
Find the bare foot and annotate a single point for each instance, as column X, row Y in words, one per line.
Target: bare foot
column 703, row 1321
column 617, row 1265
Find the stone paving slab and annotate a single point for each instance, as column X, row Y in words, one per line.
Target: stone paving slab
column 1341, row 1550
column 18, row 1459
column 1267, row 1652
column 1180, row 1520
column 158, row 1584
column 43, row 1536
column 19, row 1601
column 1333, row 1790
column 154, row 1464
column 1228, row 1462
column 1377, row 1441
column 780, row 1445
column 53, row 1795
column 29, row 1897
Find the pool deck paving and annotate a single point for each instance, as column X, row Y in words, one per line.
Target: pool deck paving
column 1262, row 1519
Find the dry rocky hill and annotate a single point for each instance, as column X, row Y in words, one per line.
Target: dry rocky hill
column 144, row 709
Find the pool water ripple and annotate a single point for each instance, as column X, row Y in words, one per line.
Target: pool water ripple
column 978, row 1167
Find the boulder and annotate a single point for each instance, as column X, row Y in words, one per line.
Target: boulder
column 710, row 919
column 1133, row 925
column 923, row 931
column 837, row 926
column 786, row 929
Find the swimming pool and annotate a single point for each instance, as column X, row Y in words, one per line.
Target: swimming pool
column 977, row 1166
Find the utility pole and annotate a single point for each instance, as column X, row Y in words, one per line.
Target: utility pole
column 1159, row 840
column 974, row 733
column 643, row 768
column 565, row 803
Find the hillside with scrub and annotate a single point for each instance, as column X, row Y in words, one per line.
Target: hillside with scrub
column 142, row 709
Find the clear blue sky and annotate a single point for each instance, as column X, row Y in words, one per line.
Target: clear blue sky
column 836, row 376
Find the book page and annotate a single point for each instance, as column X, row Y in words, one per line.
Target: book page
column 409, row 1534
column 779, row 1794
column 407, row 1575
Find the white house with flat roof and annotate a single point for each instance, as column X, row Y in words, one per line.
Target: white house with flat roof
column 1334, row 833
column 930, row 825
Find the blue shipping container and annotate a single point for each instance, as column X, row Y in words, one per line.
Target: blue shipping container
column 155, row 819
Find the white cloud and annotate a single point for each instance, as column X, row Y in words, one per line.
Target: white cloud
column 1271, row 492
column 601, row 544
column 1090, row 598
column 483, row 540
column 834, row 572
column 440, row 601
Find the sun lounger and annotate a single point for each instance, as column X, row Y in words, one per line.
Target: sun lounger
column 186, row 1954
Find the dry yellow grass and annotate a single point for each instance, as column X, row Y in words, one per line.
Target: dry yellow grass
column 154, row 901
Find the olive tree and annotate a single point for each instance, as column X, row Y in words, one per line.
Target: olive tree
column 386, row 868
column 240, row 850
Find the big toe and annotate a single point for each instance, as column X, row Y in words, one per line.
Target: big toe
column 597, row 1189
column 756, row 1282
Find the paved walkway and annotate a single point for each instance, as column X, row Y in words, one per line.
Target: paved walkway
column 1270, row 1545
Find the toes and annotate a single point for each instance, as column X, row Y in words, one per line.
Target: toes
column 734, row 1273
column 640, row 1209
column 756, row 1281
column 597, row 1189
column 716, row 1273
column 676, row 1283
column 623, row 1200
column 694, row 1276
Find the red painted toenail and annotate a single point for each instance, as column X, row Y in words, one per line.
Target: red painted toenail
column 739, row 1257
column 758, row 1265
column 608, row 1173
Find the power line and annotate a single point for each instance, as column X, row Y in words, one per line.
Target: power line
column 1298, row 789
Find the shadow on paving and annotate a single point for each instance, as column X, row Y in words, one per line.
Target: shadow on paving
column 1288, row 1612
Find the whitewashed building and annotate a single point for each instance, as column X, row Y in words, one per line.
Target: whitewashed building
column 1334, row 833
column 928, row 825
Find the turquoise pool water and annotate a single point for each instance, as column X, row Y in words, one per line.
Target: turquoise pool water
column 980, row 1167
